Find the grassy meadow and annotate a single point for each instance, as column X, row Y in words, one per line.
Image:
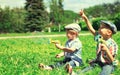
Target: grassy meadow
column 22, row 56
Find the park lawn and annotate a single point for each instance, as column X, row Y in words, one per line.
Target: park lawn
column 22, row 56
column 34, row 34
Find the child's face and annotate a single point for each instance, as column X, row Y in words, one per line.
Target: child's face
column 71, row 34
column 104, row 30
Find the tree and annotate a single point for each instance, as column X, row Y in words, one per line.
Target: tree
column 11, row 20
column 56, row 12
column 37, row 16
column 17, row 19
column 104, row 10
column 5, row 20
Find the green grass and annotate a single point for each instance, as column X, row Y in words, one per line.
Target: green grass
column 34, row 33
column 22, row 56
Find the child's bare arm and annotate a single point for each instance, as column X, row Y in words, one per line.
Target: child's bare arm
column 64, row 48
column 82, row 14
column 60, row 55
column 104, row 48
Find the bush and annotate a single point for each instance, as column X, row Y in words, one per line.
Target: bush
column 96, row 22
column 117, row 21
column 55, row 28
column 83, row 26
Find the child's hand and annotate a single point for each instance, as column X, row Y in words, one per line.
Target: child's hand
column 55, row 41
column 106, row 50
column 82, row 13
column 58, row 46
column 104, row 47
column 58, row 56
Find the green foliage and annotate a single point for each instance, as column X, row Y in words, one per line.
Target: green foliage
column 17, row 20
column 56, row 29
column 95, row 11
column 96, row 22
column 56, row 11
column 34, row 17
column 117, row 21
column 69, row 17
column 83, row 26
column 37, row 16
column 11, row 20
column 104, row 10
column 5, row 21
column 60, row 16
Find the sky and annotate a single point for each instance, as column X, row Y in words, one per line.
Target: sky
column 74, row 5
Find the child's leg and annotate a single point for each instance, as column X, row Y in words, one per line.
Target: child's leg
column 86, row 69
column 50, row 67
column 59, row 64
column 107, row 70
column 45, row 67
column 73, row 63
column 69, row 65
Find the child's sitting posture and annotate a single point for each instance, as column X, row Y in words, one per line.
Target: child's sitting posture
column 71, row 50
column 106, row 48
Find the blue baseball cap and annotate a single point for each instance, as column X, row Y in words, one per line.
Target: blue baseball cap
column 73, row 26
column 111, row 25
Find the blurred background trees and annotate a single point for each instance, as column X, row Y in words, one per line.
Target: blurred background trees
column 12, row 20
column 35, row 17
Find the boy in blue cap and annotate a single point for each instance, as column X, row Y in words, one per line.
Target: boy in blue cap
column 71, row 50
column 106, row 49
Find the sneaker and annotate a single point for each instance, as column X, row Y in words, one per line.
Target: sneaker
column 69, row 68
column 45, row 67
